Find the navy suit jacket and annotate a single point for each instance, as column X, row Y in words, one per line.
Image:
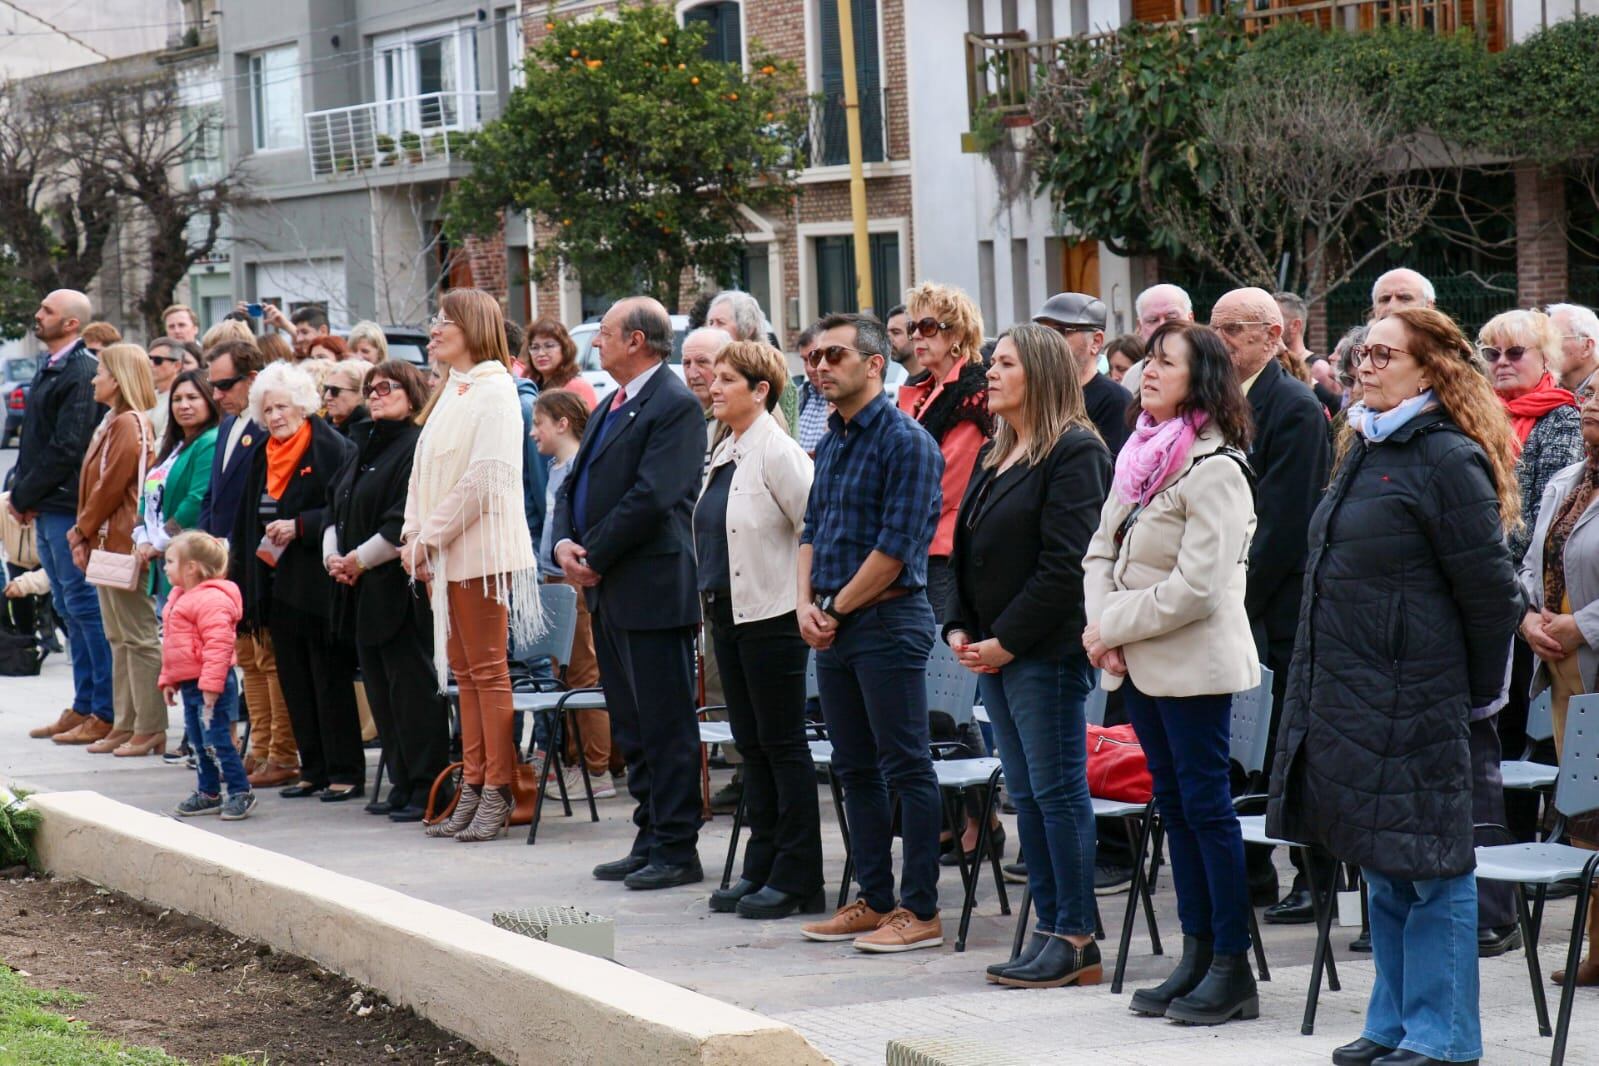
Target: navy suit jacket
column 223, row 495
column 643, row 479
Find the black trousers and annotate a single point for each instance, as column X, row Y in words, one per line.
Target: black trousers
column 412, row 716
column 648, row 678
column 1521, row 807
column 318, row 678
column 1496, row 900
column 763, row 680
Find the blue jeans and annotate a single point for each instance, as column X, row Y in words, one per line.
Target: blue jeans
column 873, row 684
column 1185, row 743
column 1424, row 945
column 1036, row 706
column 215, row 756
column 78, row 604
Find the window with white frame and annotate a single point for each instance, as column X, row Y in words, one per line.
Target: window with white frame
column 723, row 25
column 428, row 77
column 275, row 111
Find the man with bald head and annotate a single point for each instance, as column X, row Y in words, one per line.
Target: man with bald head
column 60, row 419
column 1291, row 455
column 622, row 534
column 1399, row 289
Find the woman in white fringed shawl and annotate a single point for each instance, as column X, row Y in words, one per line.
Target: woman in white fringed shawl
column 466, row 536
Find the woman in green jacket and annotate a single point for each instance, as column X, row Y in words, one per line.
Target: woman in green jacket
column 174, row 488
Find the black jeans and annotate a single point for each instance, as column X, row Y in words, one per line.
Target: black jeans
column 317, row 673
column 411, row 714
column 1496, row 900
column 763, row 680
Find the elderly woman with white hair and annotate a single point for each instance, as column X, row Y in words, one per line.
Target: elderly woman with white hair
column 277, row 564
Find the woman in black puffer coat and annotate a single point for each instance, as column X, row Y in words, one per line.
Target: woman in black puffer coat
column 1410, row 603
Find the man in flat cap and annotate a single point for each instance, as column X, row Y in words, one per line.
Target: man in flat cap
column 1080, row 318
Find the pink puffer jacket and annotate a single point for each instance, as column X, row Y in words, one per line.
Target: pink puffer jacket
column 200, row 627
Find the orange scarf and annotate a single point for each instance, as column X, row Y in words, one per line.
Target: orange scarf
column 282, row 455
column 1526, row 409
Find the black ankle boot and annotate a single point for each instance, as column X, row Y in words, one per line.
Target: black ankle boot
column 1191, row 969
column 1060, row 963
column 1227, row 992
column 1030, row 951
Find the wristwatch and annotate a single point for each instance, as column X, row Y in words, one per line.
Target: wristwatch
column 825, row 605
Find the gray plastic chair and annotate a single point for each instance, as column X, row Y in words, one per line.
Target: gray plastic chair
column 1547, row 863
column 1524, row 774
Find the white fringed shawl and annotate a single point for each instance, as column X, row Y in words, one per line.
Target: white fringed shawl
column 465, row 503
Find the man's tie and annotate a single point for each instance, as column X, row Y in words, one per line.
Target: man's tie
column 619, row 399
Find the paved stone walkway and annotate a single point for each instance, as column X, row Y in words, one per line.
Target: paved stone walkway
column 849, row 1005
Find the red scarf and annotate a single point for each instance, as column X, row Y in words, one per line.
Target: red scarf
column 1526, row 409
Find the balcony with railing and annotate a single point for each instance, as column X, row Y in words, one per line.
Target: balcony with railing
column 387, row 136
column 826, row 136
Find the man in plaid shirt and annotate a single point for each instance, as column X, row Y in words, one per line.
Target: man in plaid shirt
column 873, row 507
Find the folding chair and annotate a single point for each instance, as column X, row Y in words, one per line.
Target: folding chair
column 1523, row 774
column 1547, row 863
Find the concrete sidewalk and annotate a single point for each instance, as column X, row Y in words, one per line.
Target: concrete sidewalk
column 849, row 1005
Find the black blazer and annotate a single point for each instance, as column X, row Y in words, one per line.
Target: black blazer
column 642, row 483
column 220, row 508
column 1292, row 455
column 1019, row 546
column 367, row 498
column 56, row 429
column 299, row 579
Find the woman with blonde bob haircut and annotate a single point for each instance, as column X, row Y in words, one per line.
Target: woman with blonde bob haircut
column 466, row 535
column 1015, row 617
column 120, row 454
column 367, row 341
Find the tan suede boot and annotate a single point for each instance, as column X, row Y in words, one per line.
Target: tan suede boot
column 1588, row 969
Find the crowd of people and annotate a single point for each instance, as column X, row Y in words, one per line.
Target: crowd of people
column 1397, row 531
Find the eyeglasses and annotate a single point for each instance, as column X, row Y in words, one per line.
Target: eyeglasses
column 162, row 360
column 1493, row 355
column 543, row 346
column 1379, row 354
column 224, row 384
column 930, row 326
column 833, row 353
column 1233, row 329
column 1066, row 330
column 334, row 390
column 438, row 321
column 381, row 388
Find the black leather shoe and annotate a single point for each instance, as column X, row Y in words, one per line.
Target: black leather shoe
column 378, row 806
column 723, row 900
column 1059, row 963
column 408, row 813
column 1030, row 950
column 1227, row 992
column 300, row 790
column 996, row 847
column 342, row 795
column 772, row 902
column 618, row 870
column 664, row 875
column 1296, row 908
column 1494, row 942
column 1415, row 1058
column 1362, row 1052
column 1191, row 970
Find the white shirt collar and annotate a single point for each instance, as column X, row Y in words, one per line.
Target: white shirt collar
column 636, row 386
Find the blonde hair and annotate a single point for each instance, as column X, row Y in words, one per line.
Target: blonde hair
column 229, row 329
column 1052, row 402
column 129, row 367
column 101, row 333
column 355, row 369
column 949, row 304
column 478, row 316
column 372, row 333
column 184, row 309
column 318, row 369
column 1531, row 328
column 201, row 548
column 757, row 361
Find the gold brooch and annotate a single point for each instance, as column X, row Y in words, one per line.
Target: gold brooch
column 246, row 442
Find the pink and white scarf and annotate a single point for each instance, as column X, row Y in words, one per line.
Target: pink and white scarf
column 1154, row 452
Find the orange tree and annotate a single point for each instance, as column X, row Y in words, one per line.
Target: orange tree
column 635, row 151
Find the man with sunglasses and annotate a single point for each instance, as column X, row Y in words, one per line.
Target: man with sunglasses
column 166, row 362
column 1080, row 318
column 862, row 566
column 1292, row 457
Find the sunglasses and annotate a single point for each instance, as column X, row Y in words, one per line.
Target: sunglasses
column 833, row 353
column 1233, row 329
column 1379, row 354
column 930, row 326
column 162, row 360
column 334, row 390
column 381, row 388
column 224, row 384
column 1493, row 355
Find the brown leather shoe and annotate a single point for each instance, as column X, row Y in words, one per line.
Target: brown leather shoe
column 902, row 931
column 270, row 776
column 142, row 744
column 847, row 923
column 86, row 732
column 70, row 719
column 110, row 742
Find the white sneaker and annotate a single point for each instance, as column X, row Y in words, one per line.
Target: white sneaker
column 573, row 776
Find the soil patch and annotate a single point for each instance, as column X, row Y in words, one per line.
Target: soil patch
column 161, row 978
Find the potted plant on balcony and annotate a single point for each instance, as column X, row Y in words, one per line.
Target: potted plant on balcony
column 449, row 142
column 386, row 150
column 411, row 145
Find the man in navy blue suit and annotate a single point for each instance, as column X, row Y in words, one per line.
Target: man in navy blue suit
column 622, row 534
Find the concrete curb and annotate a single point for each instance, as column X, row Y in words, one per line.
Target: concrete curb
column 518, row 999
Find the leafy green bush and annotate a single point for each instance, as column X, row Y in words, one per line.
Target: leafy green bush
column 18, row 823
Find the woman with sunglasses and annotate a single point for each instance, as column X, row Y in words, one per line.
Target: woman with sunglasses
column 1411, row 600
column 375, row 605
column 342, row 395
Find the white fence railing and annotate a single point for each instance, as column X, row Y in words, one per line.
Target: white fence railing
column 407, row 131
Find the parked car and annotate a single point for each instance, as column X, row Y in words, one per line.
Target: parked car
column 409, row 343
column 16, row 381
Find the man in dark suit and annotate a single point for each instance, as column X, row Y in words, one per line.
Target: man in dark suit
column 1292, row 456
column 622, row 533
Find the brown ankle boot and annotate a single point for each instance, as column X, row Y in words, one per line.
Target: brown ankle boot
column 492, row 818
column 1588, row 969
column 465, row 807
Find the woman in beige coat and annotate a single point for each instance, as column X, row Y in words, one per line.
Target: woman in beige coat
column 1164, row 590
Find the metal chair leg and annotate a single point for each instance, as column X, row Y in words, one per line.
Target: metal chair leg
column 377, row 779
column 1573, row 960
column 1530, row 944
column 732, row 844
column 1323, row 910
column 1147, row 894
column 1263, row 972
column 583, row 766
column 538, row 799
column 557, row 742
column 843, row 832
column 1023, row 913
column 1140, row 849
column 990, row 812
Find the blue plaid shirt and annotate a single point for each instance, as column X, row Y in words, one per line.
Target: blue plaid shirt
column 876, row 489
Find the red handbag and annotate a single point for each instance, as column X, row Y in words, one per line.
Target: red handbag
column 1116, row 766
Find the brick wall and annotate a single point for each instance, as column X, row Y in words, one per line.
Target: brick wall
column 1541, row 252
column 487, row 258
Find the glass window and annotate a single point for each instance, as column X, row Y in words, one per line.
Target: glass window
column 835, row 272
column 275, row 109
column 724, row 39
column 830, row 141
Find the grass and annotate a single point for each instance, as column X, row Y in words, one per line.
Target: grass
column 31, row 1034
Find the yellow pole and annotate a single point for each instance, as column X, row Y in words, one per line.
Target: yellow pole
column 857, row 178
